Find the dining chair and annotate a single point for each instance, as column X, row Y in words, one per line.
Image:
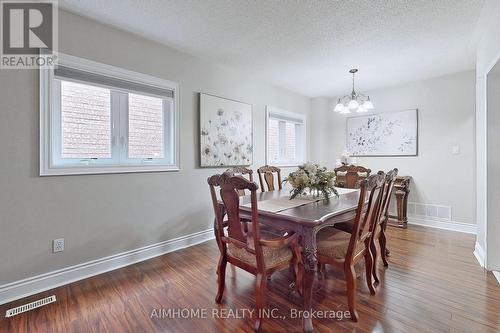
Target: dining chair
column 266, row 173
column 380, row 250
column 349, row 176
column 343, row 250
column 240, row 170
column 254, row 251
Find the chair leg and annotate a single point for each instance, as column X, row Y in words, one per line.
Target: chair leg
column 292, row 271
column 384, row 228
column 260, row 300
column 383, row 247
column 297, row 268
column 321, row 270
column 299, row 277
column 375, row 253
column 369, row 269
column 221, row 278
column 350, row 276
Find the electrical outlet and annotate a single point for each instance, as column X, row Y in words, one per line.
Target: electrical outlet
column 58, row 245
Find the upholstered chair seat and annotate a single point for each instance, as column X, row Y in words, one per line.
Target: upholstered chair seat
column 272, row 256
column 334, row 243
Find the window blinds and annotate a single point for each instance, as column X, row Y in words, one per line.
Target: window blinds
column 284, row 117
column 67, row 73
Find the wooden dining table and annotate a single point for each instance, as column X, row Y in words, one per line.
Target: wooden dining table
column 305, row 220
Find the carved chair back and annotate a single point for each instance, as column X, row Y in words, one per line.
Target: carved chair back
column 239, row 170
column 266, row 174
column 349, row 176
column 229, row 185
column 365, row 220
column 386, row 199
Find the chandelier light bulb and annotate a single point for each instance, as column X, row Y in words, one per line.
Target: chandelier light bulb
column 345, row 111
column 368, row 104
column 339, row 107
column 353, row 105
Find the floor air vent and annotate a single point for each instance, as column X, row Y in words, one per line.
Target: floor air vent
column 30, row 306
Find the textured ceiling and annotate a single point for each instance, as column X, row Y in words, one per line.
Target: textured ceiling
column 307, row 46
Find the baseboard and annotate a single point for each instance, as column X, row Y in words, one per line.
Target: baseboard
column 444, row 224
column 33, row 285
column 497, row 275
column 479, row 254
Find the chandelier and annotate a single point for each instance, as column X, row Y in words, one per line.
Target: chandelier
column 355, row 102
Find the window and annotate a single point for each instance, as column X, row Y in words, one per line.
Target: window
column 85, row 113
column 285, row 137
column 101, row 119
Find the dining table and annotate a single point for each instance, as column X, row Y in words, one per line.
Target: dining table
column 305, row 218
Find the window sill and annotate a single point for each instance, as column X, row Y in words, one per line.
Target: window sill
column 66, row 171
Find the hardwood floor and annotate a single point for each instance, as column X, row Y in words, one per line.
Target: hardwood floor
column 433, row 284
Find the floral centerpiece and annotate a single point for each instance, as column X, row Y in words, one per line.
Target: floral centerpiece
column 313, row 179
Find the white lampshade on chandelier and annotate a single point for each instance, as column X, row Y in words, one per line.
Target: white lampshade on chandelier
column 355, row 102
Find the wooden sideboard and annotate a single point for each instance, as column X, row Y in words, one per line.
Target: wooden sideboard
column 401, row 192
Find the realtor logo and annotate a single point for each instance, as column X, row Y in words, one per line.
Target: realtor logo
column 28, row 37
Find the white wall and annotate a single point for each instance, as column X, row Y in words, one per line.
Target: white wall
column 327, row 132
column 446, row 118
column 488, row 50
column 493, row 168
column 100, row 215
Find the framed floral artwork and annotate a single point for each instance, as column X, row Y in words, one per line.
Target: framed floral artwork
column 226, row 133
column 383, row 134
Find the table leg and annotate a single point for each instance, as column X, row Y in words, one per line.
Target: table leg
column 310, row 266
column 405, row 207
column 399, row 198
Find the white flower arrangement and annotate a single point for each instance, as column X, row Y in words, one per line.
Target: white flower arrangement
column 314, row 178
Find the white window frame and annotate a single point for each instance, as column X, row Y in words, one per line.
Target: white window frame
column 48, row 117
column 302, row 141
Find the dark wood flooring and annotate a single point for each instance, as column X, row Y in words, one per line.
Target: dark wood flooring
column 433, row 284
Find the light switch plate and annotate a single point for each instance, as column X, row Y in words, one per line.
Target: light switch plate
column 455, row 150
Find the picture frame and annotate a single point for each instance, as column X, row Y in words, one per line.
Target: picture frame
column 383, row 134
column 226, row 132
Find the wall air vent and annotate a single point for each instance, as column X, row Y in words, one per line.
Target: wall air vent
column 421, row 210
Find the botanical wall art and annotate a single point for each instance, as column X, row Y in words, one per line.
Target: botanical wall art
column 225, row 132
column 384, row 134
